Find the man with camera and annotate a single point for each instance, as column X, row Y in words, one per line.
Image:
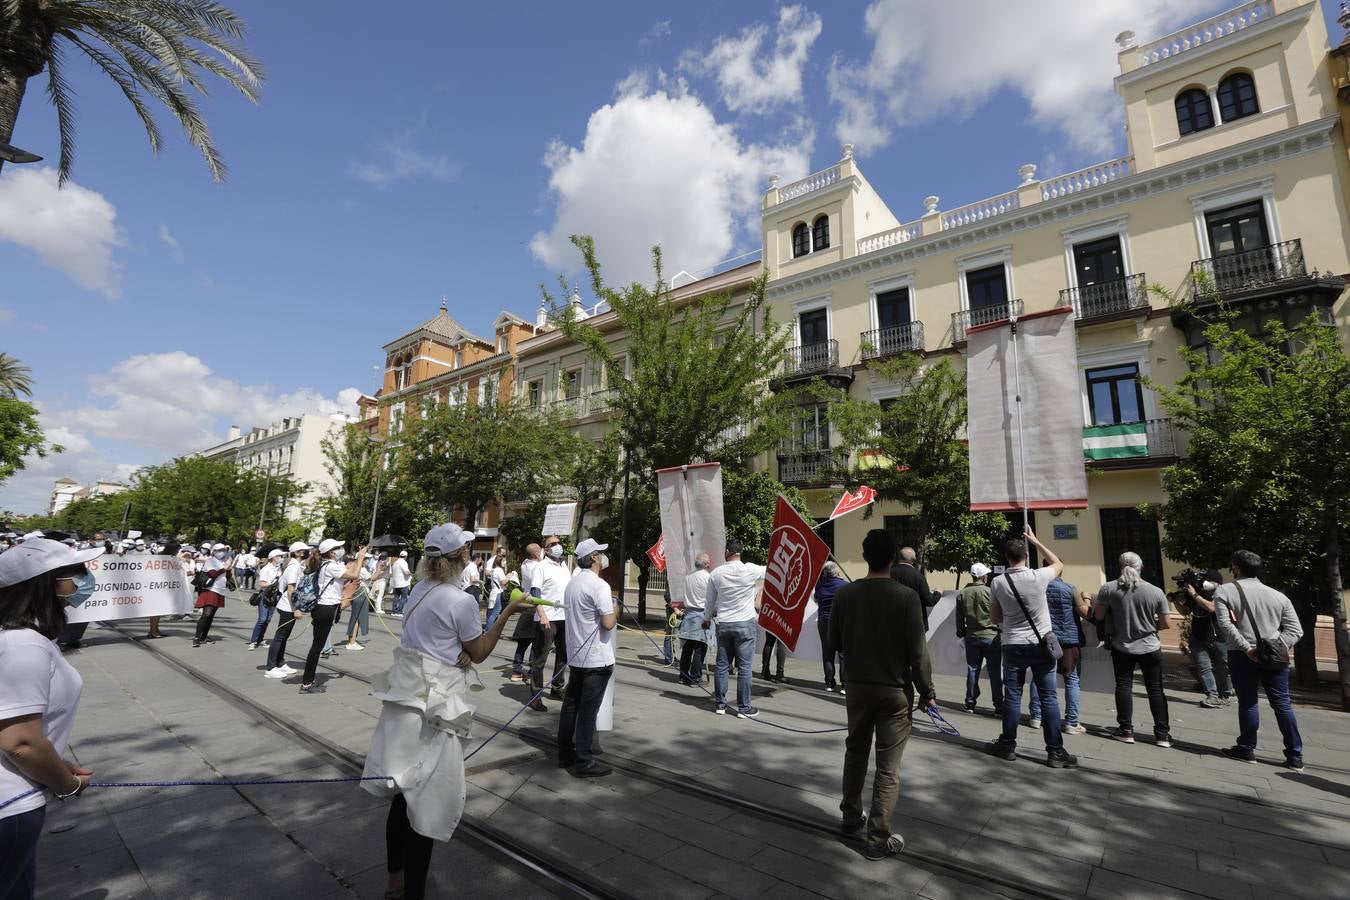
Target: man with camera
column 1208, row 651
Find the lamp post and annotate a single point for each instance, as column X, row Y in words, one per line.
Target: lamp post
column 379, row 476
column 10, row 153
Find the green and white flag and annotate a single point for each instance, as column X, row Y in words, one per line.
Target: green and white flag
column 1116, row 441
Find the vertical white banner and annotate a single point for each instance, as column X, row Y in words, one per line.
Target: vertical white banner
column 1051, row 414
column 691, row 518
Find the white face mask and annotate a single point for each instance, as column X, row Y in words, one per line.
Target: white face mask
column 556, row 551
column 339, row 554
column 604, row 562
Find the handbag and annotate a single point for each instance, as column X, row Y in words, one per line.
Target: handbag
column 1271, row 653
column 1049, row 643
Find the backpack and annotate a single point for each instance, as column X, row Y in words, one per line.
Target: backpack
column 201, row 582
column 306, row 592
column 269, row 596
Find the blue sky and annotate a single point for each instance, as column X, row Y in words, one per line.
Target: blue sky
column 451, row 152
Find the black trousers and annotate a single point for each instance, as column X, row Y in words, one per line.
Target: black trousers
column 691, row 659
column 407, row 851
column 772, row 643
column 204, row 623
column 1150, row 664
column 323, row 623
column 276, row 651
column 542, row 645
column 828, row 653
column 576, row 722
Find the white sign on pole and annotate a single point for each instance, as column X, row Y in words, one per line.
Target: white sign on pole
column 133, row 587
column 691, row 518
column 559, row 518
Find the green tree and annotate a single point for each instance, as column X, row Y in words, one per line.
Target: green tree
column 15, row 378
column 208, row 498
column 912, row 452
column 748, row 503
column 590, row 473
column 153, row 50
column 20, row 436
column 358, row 465
column 1268, row 465
column 524, row 526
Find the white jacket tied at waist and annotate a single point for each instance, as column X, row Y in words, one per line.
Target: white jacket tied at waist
column 418, row 740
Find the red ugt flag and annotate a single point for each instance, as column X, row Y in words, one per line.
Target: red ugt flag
column 796, row 555
column 657, row 553
column 849, row 502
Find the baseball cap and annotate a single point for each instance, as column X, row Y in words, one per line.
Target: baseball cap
column 446, row 538
column 298, row 546
column 979, row 570
column 589, row 546
column 327, row 545
column 37, row 555
column 403, row 554
column 275, row 552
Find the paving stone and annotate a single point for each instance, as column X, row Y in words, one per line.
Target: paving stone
column 1184, row 878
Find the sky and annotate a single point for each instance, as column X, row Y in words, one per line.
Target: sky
column 451, row 154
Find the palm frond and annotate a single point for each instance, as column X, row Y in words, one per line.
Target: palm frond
column 62, row 97
column 127, row 83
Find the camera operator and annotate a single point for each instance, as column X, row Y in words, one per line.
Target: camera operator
column 1208, row 651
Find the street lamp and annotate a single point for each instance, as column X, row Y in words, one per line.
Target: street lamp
column 10, row 153
column 379, row 476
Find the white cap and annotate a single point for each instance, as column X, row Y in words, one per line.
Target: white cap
column 38, row 555
column 588, row 546
column 275, row 552
column 327, row 545
column 446, row 538
column 403, row 554
column 298, row 546
column 979, row 570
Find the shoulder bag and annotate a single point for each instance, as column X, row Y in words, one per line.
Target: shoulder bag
column 1272, row 655
column 1049, row 643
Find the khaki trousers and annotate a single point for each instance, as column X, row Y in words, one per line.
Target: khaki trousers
column 882, row 713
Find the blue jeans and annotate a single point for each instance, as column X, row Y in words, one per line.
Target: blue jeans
column 1210, row 665
column 984, row 652
column 18, row 853
column 735, row 638
column 1247, row 676
column 400, row 599
column 1072, row 689
column 576, row 722
column 1017, row 659
column 494, row 608
column 260, row 627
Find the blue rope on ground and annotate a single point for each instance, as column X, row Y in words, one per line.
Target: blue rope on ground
column 215, row 783
column 939, row 722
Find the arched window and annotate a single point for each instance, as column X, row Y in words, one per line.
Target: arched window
column 801, row 240
column 820, row 233
column 1193, row 111
column 1237, row 97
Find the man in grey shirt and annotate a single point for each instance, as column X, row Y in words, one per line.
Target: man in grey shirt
column 1138, row 612
column 1246, row 611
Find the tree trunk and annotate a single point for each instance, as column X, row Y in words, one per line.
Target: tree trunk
column 1305, row 652
column 11, row 96
column 1331, row 587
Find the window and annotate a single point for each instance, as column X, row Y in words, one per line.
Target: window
column 1125, row 529
column 987, row 287
column 813, row 327
column 1237, row 229
column 801, row 240
column 1237, row 97
column 571, row 384
column 1194, row 112
column 1115, row 395
column 459, row 358
column 501, row 343
column 1100, row 261
column 535, row 393
column 893, row 309
column 820, row 233
column 810, row 430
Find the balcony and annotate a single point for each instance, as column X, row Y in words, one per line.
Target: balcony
column 585, row 405
column 809, row 467
column 1107, row 300
column 1130, row 445
column 818, row 360
column 966, row 319
column 570, row 407
column 882, row 342
column 1251, row 270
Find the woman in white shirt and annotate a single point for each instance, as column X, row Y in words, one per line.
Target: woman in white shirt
column 337, row 583
column 269, row 574
column 287, row 617
column 39, row 693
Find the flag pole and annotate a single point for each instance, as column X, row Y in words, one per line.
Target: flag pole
column 1021, row 444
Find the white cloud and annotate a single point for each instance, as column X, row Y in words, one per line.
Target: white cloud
column 71, row 229
column 754, row 80
column 659, row 30
column 658, row 168
column 6, row 316
column 399, row 158
column 937, row 60
column 29, row 491
column 167, row 237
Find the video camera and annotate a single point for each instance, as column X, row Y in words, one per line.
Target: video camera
column 1187, row 576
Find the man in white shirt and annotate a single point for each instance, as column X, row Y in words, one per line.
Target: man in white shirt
column 1016, row 589
column 691, row 626
column 400, row 579
column 590, row 650
column 550, row 576
column 470, row 581
column 733, row 601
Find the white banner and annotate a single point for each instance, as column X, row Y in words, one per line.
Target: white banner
column 691, row 518
column 559, row 519
column 133, row 587
column 1052, row 415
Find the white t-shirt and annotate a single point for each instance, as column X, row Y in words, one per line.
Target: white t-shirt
column 220, row 584
column 587, row 598
column 498, row 577
column 696, row 590
column 331, row 582
column 399, row 575
column 552, row 578
column 1031, row 585
column 731, row 591
column 441, row 617
column 34, row 678
column 290, row 576
column 469, row 576
column 268, row 574
column 527, row 567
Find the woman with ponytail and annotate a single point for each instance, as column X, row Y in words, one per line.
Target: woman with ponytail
column 1138, row 612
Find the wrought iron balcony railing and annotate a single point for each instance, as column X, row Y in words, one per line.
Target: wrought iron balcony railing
column 965, row 319
column 1126, row 441
column 1251, row 269
column 808, row 466
column 882, row 342
column 1108, row 298
column 808, row 358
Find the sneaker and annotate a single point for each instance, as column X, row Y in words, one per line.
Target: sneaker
column 841, row 692
column 748, row 712
column 195, row 643
column 555, row 694
column 895, row 844
column 1060, row 759
column 1073, row 729
column 1001, row 749
column 1034, row 723
column 721, row 710
column 354, row 647
column 1226, row 699
column 253, row 645
column 288, row 670
column 1164, row 741
column 1241, row 754
column 595, row 770
column 1124, row 735
column 537, row 705
column 829, row 689
column 1294, row 762
column 275, row 673
column 1212, row 702
column 324, row 654
column 970, row 708
column 851, row 827
column 307, row 688
column 517, row 676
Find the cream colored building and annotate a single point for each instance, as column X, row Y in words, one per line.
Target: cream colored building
column 292, row 446
column 1237, row 168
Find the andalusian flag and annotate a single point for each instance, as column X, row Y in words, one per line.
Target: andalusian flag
column 1115, row 441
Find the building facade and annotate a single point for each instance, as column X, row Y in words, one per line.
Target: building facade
column 292, row 446
column 67, row 490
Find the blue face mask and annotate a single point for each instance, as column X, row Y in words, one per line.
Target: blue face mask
column 84, row 589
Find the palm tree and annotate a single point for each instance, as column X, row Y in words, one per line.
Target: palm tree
column 15, row 378
column 151, row 49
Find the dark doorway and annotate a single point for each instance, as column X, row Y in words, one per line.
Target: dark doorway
column 1125, row 529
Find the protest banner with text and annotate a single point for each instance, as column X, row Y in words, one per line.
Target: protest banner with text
column 133, row 587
